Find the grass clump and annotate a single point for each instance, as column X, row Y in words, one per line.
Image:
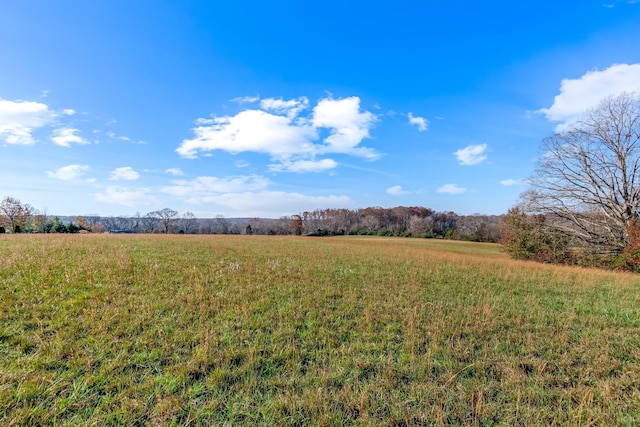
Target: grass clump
column 254, row 330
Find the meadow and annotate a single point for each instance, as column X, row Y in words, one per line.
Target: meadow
column 340, row 331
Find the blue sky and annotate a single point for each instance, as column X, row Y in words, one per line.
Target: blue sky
column 253, row 108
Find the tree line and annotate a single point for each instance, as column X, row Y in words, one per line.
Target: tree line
column 16, row 217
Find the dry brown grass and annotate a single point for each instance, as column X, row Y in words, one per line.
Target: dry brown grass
column 250, row 330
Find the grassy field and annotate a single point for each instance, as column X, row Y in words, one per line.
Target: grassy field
column 253, row 330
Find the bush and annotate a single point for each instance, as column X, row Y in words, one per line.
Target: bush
column 528, row 237
column 629, row 259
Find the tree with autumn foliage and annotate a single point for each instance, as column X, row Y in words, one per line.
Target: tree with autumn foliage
column 14, row 215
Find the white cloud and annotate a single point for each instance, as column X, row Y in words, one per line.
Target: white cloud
column 126, row 197
column 304, row 166
column 204, row 186
column 68, row 173
column 125, row 173
column 273, row 204
column 113, row 135
column 451, row 189
column 69, row 111
column 174, row 171
column 64, row 137
column 579, row 95
column 278, row 129
column 290, row 108
column 248, row 195
column 512, row 182
column 246, row 99
column 18, row 119
column 421, row 122
column 396, row 190
column 348, row 126
column 471, row 155
column 251, row 130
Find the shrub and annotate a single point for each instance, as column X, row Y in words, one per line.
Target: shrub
column 629, row 259
column 528, row 237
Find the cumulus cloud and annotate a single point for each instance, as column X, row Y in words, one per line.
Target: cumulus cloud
column 125, row 173
column 579, row 95
column 397, row 190
column 471, row 155
column 451, row 189
column 251, row 130
column 174, row 171
column 68, row 173
column 420, row 122
column 126, row 197
column 64, row 137
column 347, row 124
column 291, row 139
column 18, row 120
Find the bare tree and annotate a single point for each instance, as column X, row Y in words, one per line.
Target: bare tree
column 189, row 223
column 167, row 217
column 222, row 225
column 136, row 222
column 587, row 182
column 14, row 215
column 150, row 222
column 421, row 226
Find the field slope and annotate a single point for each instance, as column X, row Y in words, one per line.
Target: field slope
column 254, row 330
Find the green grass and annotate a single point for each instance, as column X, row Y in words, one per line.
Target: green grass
column 254, row 330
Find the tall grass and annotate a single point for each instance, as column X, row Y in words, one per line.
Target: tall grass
column 253, row 330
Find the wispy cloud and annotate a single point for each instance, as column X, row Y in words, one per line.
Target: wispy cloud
column 241, row 164
column 420, row 122
column 64, row 137
column 301, row 166
column 471, row 155
column 249, row 195
column 68, row 173
column 174, row 171
column 397, row 190
column 274, row 204
column 290, row 108
column 451, row 189
column 125, row 173
column 246, row 99
column 203, row 186
column 513, row 182
column 126, row 197
column 113, row 135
